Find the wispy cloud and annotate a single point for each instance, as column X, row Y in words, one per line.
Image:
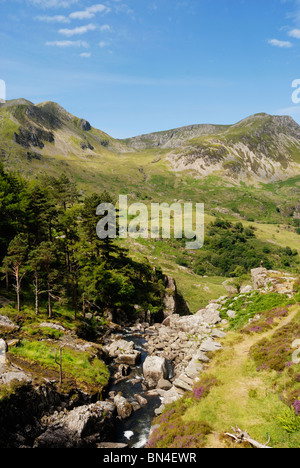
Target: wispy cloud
column 90, row 12
column 68, row 44
column 78, row 30
column 281, row 44
column 53, row 3
column 53, row 19
column 85, row 55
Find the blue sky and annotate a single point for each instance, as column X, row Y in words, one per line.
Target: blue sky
column 137, row 66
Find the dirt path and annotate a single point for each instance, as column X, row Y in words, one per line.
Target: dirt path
column 237, row 383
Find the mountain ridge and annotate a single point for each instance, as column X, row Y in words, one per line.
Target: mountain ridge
column 259, row 148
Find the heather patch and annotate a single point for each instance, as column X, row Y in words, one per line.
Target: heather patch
column 276, row 353
column 202, row 388
column 173, row 432
column 266, row 321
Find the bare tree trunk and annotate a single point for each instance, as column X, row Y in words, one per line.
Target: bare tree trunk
column 60, row 367
column 49, row 302
column 243, row 436
column 17, row 276
column 83, row 306
column 7, row 280
column 36, row 293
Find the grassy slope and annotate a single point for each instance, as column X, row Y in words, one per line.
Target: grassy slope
column 239, row 396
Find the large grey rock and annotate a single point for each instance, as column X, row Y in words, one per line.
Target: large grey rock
column 154, row 369
column 184, row 382
column 209, row 345
column 75, row 429
column 259, row 278
column 130, row 359
column 119, row 347
column 6, row 324
column 210, row 314
column 9, row 376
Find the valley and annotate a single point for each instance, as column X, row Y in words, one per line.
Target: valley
column 64, row 289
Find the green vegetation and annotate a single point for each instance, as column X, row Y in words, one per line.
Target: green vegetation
column 79, row 366
column 247, row 306
column 235, row 390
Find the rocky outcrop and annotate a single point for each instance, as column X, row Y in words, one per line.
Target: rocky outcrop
column 84, row 125
column 84, row 426
column 272, row 281
column 174, row 303
column 33, row 136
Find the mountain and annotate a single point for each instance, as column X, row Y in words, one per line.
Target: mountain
column 259, row 148
column 35, row 138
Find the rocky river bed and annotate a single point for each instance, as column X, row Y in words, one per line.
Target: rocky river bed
column 151, row 365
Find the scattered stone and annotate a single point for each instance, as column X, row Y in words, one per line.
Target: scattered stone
column 54, row 326
column 231, row 314
column 141, row 400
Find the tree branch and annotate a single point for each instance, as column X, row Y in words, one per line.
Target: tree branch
column 243, row 436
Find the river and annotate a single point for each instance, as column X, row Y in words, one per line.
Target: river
column 134, row 431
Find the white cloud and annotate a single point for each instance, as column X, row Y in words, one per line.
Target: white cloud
column 53, row 19
column 294, row 33
column 78, row 30
column 90, row 12
column 281, row 44
column 103, row 44
column 85, row 54
column 105, row 27
column 68, row 44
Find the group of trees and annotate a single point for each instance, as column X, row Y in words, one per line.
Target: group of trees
column 49, row 250
column 230, row 249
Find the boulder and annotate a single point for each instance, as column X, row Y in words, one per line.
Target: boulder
column 124, row 352
column 183, row 382
column 13, row 375
column 6, row 324
column 209, row 345
column 77, row 428
column 230, row 288
column 123, row 406
column 210, row 314
column 164, row 384
column 154, row 369
column 130, row 359
column 259, row 278
column 231, row 314
column 141, row 400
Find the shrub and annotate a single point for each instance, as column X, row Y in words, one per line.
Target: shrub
column 289, row 420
